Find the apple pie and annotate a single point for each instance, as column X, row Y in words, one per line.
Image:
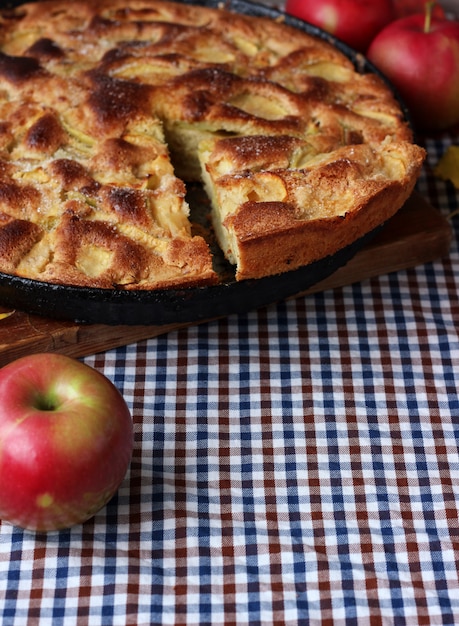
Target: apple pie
column 110, row 109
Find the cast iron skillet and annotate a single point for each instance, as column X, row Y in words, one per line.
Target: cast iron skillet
column 177, row 306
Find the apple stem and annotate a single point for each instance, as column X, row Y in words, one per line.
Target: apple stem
column 429, row 6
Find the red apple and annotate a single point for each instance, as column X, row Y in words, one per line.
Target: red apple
column 420, row 56
column 66, row 441
column 355, row 22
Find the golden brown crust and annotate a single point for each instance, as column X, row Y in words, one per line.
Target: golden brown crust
column 300, row 242
column 94, row 183
column 17, row 237
column 300, row 153
column 280, row 217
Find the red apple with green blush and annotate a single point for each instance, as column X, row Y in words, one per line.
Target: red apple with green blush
column 419, row 54
column 356, row 22
column 66, row 440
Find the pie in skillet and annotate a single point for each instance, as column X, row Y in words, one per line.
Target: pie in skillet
column 109, row 109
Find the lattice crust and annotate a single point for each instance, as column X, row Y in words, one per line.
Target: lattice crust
column 106, row 108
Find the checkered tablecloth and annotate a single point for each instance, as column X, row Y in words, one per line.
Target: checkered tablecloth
column 294, row 465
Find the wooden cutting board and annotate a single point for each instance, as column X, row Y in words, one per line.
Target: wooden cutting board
column 417, row 234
